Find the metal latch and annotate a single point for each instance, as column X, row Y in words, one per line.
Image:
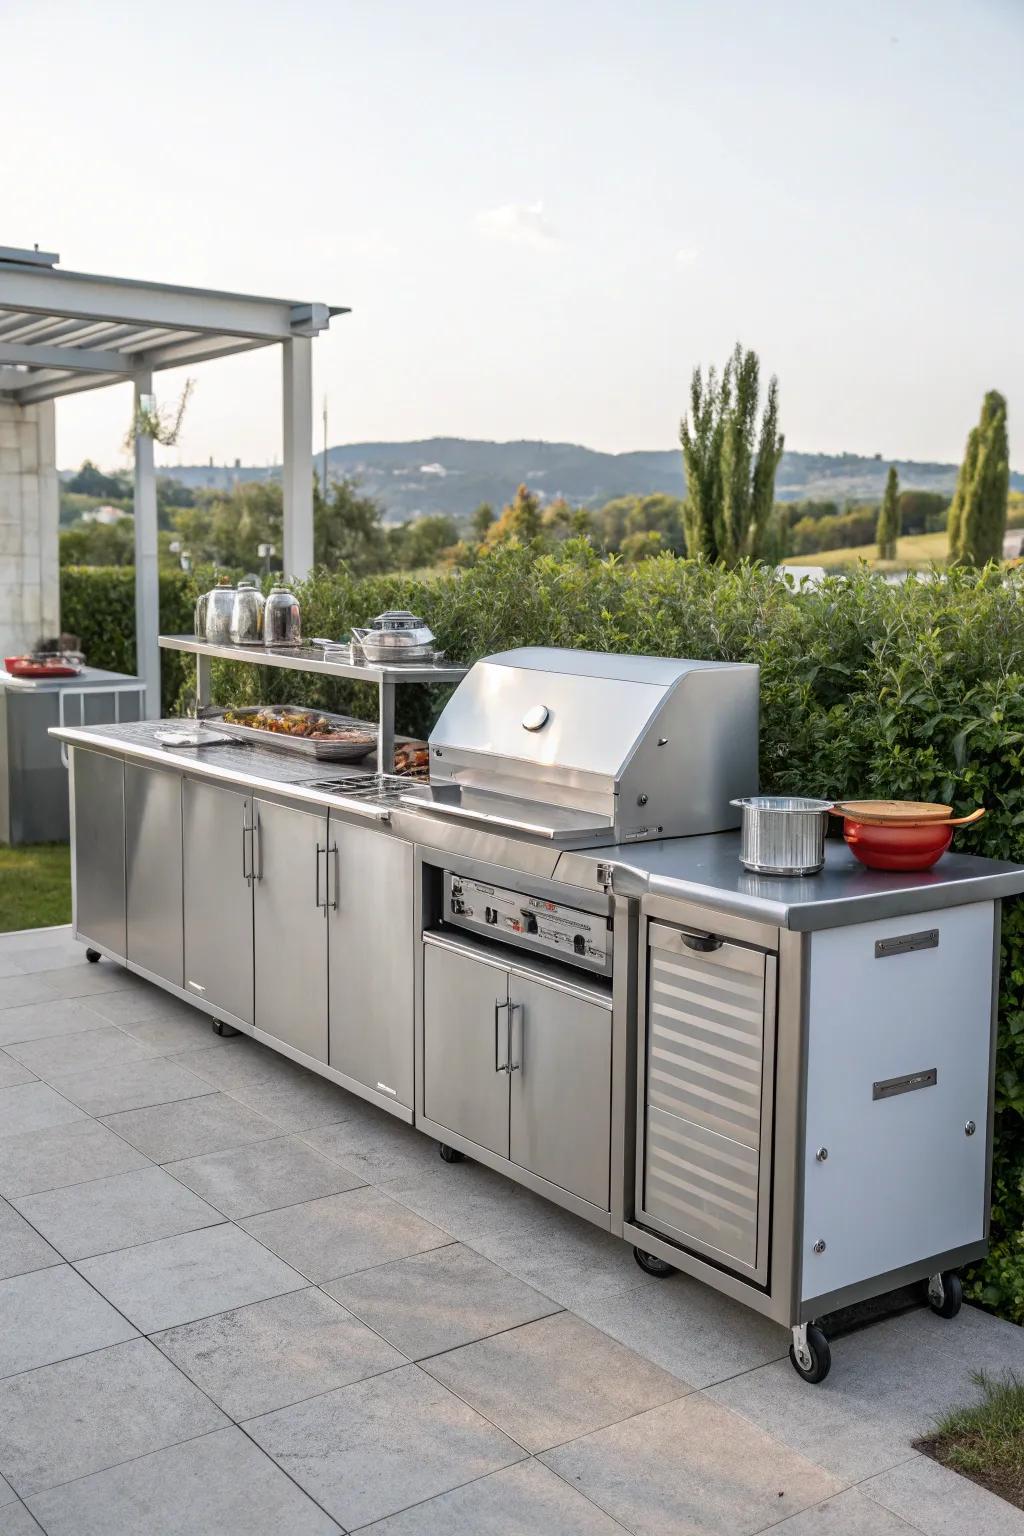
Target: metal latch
column 905, row 943
column 889, row 1087
column 606, row 876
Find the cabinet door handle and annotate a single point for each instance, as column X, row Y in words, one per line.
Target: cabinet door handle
column 246, row 831
column 501, row 1066
column 331, row 862
column 513, row 1009
column 256, row 847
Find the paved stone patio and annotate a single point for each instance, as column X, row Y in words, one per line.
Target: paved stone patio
column 237, row 1301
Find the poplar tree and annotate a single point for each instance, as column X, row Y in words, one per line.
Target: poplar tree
column 888, row 528
column 977, row 517
column 730, row 461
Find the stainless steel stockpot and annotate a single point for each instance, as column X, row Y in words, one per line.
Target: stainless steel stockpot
column 783, row 834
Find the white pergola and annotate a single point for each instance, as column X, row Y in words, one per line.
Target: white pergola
column 65, row 332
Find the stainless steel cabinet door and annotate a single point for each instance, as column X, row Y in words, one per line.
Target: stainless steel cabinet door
column 561, row 1079
column 372, row 955
column 98, row 791
column 289, row 912
column 217, row 847
column 152, row 859
column 465, row 1082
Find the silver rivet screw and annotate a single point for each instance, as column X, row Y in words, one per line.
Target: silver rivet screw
column 821, row 1155
column 641, row 799
column 819, row 1246
column 970, row 1128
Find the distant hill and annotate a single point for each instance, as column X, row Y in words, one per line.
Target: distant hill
column 455, row 474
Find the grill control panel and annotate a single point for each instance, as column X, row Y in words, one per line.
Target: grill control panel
column 530, row 922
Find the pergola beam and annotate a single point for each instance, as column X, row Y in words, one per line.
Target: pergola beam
column 48, row 384
column 76, row 295
column 74, row 359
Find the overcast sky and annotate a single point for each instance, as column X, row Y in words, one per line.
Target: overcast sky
column 544, row 214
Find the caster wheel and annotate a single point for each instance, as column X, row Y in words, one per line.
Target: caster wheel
column 652, row 1265
column 945, row 1294
column 816, row 1363
column 92, row 955
column 224, row 1030
column 448, row 1154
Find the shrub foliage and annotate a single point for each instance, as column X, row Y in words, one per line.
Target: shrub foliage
column 867, row 689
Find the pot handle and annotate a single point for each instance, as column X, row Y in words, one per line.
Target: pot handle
column 965, row 821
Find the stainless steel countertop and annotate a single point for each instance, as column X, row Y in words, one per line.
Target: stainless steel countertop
column 89, row 677
column 703, row 870
column 708, row 870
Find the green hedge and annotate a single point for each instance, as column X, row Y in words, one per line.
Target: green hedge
column 867, row 689
column 97, row 603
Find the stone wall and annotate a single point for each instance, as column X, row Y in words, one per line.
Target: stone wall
column 29, row 512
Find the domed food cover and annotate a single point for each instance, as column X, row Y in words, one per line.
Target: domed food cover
column 584, row 747
column 396, row 635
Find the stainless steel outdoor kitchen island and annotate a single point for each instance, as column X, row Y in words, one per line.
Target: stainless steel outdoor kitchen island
column 550, row 959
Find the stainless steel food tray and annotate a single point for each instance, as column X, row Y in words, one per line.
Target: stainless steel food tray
column 322, row 751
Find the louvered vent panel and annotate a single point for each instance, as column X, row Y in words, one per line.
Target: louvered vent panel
column 703, row 1185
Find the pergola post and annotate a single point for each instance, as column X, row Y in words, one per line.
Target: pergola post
column 147, row 576
column 297, row 469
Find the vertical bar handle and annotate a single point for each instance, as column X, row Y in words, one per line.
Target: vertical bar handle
column 513, row 1009
column 246, row 869
column 319, row 851
column 501, row 1066
column 329, row 863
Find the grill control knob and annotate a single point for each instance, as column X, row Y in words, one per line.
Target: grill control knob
column 536, row 718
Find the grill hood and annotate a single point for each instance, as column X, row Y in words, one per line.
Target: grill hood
column 585, row 747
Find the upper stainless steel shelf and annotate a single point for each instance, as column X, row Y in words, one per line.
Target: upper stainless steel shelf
column 308, row 658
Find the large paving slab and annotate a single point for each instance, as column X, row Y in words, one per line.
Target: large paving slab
column 942, row 1503
column 217, row 1485
column 523, row 1500
column 175, row 1029
column 31, row 1107
column 687, row 1328
column 120, row 1211
column 69, row 1154
column 15, row 1520
column 339, row 1234
column 264, row 1176
column 375, row 1144
column 52, row 1314
column 286, row 1093
column 567, row 1258
column 57, row 1056
column 85, row 980
column 13, row 1072
column 690, row 1468
column 553, row 1380
column 178, row 1279
column 190, row 1127
column 469, row 1200
column 132, row 1004
column 74, row 1418
column 435, row 1301
column 254, row 1359
column 371, row 1449
column 850, row 1513
column 21, row 1247
column 130, row 1083
column 56, row 953
column 33, row 1021
column 17, row 990
column 887, row 1386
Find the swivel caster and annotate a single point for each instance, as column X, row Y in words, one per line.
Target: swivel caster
column 809, row 1354
column 652, row 1265
column 448, row 1154
column 92, row 955
column 945, row 1293
column 224, row 1030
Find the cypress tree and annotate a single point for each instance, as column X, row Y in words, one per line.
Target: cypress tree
column 730, row 462
column 888, row 529
column 977, row 517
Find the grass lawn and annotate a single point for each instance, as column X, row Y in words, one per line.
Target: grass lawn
column 913, row 551
column 986, row 1442
column 35, row 886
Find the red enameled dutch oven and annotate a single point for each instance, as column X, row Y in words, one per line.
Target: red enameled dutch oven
column 900, row 835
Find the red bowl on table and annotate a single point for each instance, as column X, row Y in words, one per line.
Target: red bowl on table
column 913, row 840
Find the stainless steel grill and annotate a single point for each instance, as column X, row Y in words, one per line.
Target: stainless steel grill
column 582, row 747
